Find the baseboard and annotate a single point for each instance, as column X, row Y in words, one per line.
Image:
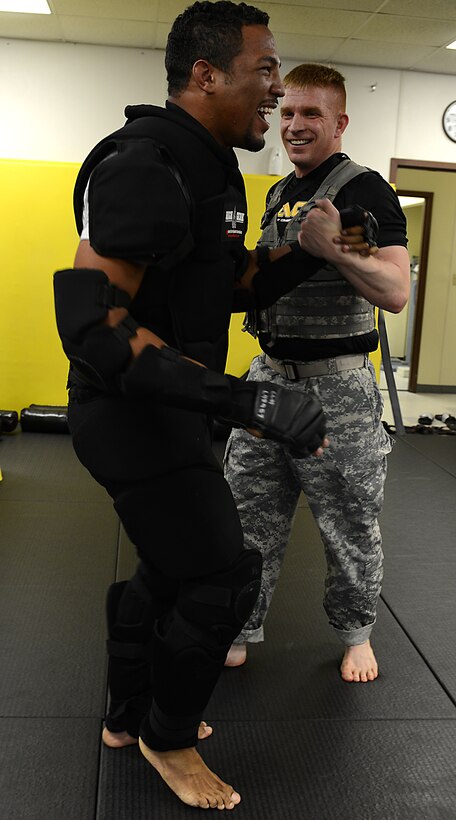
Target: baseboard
column 436, row 388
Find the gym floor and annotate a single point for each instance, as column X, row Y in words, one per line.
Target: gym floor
column 294, row 739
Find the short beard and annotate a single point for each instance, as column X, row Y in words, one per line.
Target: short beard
column 251, row 143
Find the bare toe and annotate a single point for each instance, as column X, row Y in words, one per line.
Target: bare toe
column 237, row 655
column 204, row 730
column 359, row 663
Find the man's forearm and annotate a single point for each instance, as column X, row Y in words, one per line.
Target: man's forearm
column 383, row 279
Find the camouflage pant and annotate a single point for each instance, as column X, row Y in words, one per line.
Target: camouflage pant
column 344, row 489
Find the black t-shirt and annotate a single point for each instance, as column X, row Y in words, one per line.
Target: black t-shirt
column 374, row 194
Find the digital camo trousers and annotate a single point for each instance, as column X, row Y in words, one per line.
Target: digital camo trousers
column 344, row 489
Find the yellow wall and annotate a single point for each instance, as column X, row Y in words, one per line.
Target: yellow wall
column 243, row 347
column 39, row 237
column 37, row 224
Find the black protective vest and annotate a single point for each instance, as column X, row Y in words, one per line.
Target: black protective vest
column 186, row 221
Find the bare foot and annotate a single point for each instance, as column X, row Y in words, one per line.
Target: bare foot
column 117, row 740
column 237, row 655
column 359, row 664
column 187, row 775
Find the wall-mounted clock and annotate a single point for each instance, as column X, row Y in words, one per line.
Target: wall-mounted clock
column 449, row 121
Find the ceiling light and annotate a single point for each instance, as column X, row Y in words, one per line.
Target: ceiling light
column 25, row 6
column 451, row 45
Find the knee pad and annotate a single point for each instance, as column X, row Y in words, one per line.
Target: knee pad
column 224, row 600
column 210, row 612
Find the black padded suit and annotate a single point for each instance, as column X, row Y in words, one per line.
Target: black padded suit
column 171, row 625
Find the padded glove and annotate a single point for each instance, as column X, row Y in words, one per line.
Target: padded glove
column 356, row 215
column 294, row 419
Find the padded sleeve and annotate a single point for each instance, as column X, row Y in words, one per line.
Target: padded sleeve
column 137, row 210
column 278, row 278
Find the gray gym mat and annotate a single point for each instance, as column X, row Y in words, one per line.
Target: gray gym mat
column 297, row 666
column 437, row 448
column 56, row 561
column 48, row 768
column 296, row 740
column 41, row 466
column 304, row 770
column 58, row 553
column 419, row 526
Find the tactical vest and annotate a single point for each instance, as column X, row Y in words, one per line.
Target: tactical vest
column 326, row 306
column 192, row 234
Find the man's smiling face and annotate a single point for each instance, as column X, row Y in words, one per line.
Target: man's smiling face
column 249, row 92
column 312, row 121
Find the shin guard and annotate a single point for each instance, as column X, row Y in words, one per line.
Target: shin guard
column 129, row 671
column 192, row 642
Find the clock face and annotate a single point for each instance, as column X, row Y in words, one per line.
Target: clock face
column 449, row 121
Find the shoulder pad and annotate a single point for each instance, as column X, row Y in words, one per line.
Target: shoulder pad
column 137, row 208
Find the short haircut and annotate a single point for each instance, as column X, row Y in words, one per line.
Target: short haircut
column 207, row 31
column 316, row 74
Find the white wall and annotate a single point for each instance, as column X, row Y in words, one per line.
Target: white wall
column 58, row 99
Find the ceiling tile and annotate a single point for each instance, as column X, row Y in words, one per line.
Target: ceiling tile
column 311, row 21
column 30, row 26
column 131, row 33
column 112, row 9
column 306, row 49
column 347, row 5
column 368, row 53
column 395, row 29
column 295, row 17
column 400, row 34
column 436, row 9
column 440, row 62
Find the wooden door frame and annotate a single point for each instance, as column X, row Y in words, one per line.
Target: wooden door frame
column 428, row 196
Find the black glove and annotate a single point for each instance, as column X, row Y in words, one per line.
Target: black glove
column 356, row 215
column 294, row 419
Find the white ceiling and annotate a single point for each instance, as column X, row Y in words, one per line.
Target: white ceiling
column 399, row 34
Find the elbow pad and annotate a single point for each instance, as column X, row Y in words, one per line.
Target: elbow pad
column 294, row 419
column 99, row 353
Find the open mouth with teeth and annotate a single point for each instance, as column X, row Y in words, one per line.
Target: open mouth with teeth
column 265, row 111
column 299, row 142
